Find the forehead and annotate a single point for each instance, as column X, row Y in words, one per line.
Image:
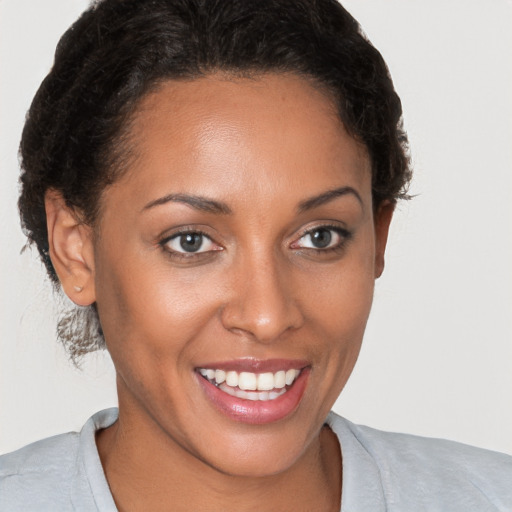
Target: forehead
column 229, row 137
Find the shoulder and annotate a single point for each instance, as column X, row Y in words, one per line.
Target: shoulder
column 39, row 473
column 425, row 470
column 407, row 449
column 61, row 473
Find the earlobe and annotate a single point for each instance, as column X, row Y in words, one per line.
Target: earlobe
column 71, row 249
column 382, row 221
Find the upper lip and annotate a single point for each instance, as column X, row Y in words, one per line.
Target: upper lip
column 256, row 365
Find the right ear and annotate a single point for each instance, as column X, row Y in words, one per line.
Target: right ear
column 71, row 249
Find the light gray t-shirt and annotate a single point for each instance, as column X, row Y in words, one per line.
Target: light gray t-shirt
column 382, row 471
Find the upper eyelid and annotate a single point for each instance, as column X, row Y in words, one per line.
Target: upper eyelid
column 182, row 230
column 165, row 241
column 185, row 232
column 334, row 227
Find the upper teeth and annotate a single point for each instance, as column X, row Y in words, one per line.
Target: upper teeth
column 251, row 381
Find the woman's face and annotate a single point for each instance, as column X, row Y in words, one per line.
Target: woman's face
column 236, row 256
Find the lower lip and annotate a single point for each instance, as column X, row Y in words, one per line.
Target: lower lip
column 257, row 412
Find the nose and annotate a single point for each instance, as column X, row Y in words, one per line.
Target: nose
column 263, row 301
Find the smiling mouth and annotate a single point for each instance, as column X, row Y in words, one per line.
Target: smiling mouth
column 251, row 386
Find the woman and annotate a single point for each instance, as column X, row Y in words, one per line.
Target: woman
column 213, row 183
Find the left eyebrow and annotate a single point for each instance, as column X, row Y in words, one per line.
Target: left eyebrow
column 325, row 197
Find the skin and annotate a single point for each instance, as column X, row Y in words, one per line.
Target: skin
column 259, row 290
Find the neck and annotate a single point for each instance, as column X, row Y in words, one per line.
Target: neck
column 148, row 470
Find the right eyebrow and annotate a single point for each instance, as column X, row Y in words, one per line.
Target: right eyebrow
column 201, row 203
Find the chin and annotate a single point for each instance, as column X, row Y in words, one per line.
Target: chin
column 256, row 456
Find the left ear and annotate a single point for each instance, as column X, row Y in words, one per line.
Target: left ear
column 382, row 220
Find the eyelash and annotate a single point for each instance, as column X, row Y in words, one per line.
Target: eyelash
column 185, row 255
column 344, row 234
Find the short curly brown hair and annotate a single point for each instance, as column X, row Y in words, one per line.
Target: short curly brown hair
column 119, row 49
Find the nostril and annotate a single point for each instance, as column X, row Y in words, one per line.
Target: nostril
column 263, row 327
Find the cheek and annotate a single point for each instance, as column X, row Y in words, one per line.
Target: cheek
column 151, row 308
column 341, row 319
column 151, row 321
column 342, row 295
column 339, row 306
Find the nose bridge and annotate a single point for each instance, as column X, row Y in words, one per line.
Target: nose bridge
column 261, row 304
